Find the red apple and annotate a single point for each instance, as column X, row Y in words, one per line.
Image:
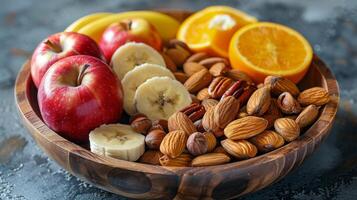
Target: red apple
column 132, row 30
column 78, row 94
column 58, row 46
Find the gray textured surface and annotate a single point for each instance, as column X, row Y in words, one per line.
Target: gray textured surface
column 330, row 26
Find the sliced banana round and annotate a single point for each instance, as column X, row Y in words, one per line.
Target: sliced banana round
column 134, row 78
column 117, row 141
column 160, row 97
column 132, row 54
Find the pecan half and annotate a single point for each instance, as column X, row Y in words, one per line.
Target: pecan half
column 241, row 90
column 219, row 86
column 194, row 111
column 244, row 97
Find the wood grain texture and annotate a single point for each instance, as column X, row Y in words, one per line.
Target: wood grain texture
column 142, row 181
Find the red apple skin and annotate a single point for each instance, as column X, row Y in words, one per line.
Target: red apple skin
column 74, row 109
column 66, row 44
column 118, row 34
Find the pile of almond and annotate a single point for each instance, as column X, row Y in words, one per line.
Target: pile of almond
column 231, row 118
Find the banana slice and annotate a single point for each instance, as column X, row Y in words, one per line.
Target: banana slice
column 134, row 78
column 117, row 141
column 132, row 54
column 160, row 97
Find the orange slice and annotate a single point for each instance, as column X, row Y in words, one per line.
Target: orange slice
column 210, row 30
column 263, row 49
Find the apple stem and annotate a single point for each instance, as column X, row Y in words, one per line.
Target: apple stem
column 81, row 73
column 130, row 24
column 125, row 25
column 53, row 46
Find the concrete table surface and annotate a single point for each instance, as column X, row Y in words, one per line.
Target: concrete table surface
column 330, row 25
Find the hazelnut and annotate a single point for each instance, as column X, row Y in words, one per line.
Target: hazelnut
column 141, row 124
column 151, row 157
column 133, row 117
column 197, row 144
column 160, row 124
column 154, row 138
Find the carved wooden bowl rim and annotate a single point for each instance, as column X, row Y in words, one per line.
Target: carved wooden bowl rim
column 39, row 130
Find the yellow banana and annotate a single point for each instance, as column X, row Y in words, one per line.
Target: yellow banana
column 164, row 24
column 79, row 23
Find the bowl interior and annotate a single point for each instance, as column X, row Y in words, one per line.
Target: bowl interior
column 318, row 75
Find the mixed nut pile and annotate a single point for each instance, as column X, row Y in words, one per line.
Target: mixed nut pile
column 230, row 118
column 186, row 108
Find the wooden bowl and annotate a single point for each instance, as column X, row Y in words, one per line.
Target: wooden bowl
column 143, row 181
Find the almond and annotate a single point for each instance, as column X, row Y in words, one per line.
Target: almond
column 316, row 95
column 178, row 53
column 287, row 128
column 209, row 124
column 209, row 62
column 218, row 69
column 197, row 57
column 245, row 128
column 182, row 160
column 151, row 157
column 259, row 102
column 203, row 94
column 307, row 116
column 209, row 103
column 210, row 159
column 169, row 63
column 181, row 77
column 198, row 81
column 267, row 141
column 178, row 56
column 238, row 75
column 219, row 86
column 179, row 121
column 241, row 149
column 174, row 143
column 191, row 67
column 226, row 111
column 288, row 104
column 280, row 84
column 211, row 141
column 260, row 85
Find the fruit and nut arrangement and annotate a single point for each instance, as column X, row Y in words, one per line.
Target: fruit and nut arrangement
column 141, row 86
